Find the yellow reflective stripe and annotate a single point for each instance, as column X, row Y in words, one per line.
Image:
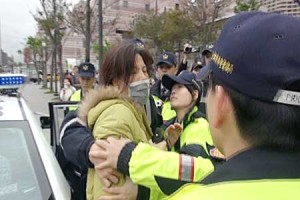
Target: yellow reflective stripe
column 186, row 168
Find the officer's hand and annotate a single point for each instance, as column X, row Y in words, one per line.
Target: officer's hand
column 108, row 176
column 173, row 132
column 128, row 191
column 109, row 151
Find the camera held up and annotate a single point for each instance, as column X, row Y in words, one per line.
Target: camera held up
column 188, row 48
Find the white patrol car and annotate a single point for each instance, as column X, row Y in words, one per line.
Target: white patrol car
column 28, row 167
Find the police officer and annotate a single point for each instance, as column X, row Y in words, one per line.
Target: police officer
column 76, row 175
column 166, row 65
column 253, row 110
column 197, row 65
column 86, row 79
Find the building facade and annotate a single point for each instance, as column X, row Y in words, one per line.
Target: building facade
column 118, row 15
column 73, row 50
column 4, row 58
column 118, row 19
column 288, row 7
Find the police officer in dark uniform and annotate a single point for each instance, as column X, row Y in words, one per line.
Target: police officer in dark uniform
column 87, row 73
column 77, row 174
column 253, row 107
column 197, row 65
column 166, row 65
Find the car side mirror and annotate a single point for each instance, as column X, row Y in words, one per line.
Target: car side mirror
column 45, row 122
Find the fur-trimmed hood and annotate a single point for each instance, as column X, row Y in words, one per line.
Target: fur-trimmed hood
column 95, row 96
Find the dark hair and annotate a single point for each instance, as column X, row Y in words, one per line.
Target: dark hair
column 192, row 89
column 265, row 123
column 69, row 79
column 120, row 61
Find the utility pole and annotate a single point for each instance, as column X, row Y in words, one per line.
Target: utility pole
column 55, row 48
column 100, row 19
column 88, row 31
column 156, row 7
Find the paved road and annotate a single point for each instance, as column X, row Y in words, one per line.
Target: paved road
column 37, row 99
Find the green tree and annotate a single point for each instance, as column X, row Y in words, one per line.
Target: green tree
column 246, row 5
column 51, row 21
column 148, row 26
column 205, row 14
column 166, row 30
column 35, row 44
column 106, row 47
column 82, row 20
column 177, row 28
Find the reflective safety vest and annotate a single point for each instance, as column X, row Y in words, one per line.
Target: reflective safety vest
column 75, row 97
column 246, row 190
column 167, row 112
column 153, row 168
column 259, row 173
column 164, row 108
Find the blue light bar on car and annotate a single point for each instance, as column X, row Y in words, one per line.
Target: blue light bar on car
column 12, row 80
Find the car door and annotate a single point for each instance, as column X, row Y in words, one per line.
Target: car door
column 57, row 113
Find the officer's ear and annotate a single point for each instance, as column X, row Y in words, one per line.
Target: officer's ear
column 195, row 95
column 176, row 68
column 222, row 106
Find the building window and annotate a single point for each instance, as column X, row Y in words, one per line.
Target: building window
column 176, row 6
column 125, row 4
column 147, row 7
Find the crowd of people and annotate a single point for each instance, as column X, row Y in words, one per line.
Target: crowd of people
column 130, row 139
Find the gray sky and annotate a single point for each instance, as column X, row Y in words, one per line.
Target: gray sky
column 17, row 24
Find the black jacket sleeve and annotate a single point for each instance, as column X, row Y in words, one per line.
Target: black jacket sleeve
column 76, row 140
column 182, row 66
column 124, row 158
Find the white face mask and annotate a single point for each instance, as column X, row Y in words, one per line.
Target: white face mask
column 139, row 91
column 66, row 85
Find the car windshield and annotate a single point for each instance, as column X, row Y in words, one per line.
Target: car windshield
column 22, row 175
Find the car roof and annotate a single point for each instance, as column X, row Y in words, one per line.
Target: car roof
column 10, row 108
